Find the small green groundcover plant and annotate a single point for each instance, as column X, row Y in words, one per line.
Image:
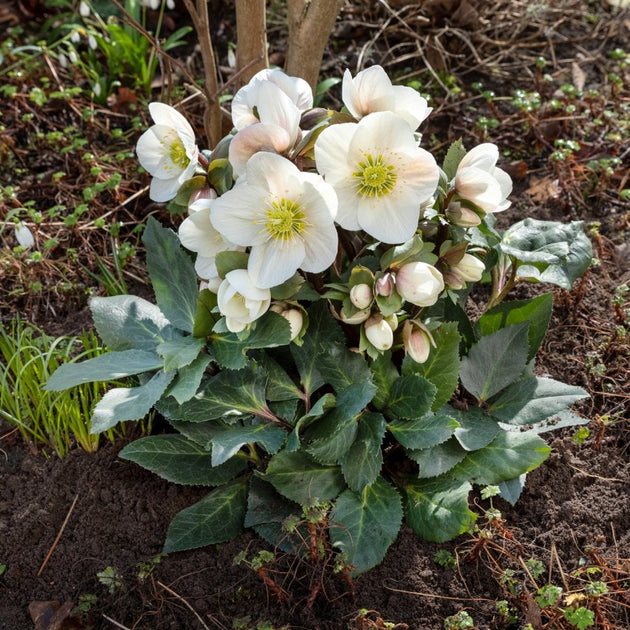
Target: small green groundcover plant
column 328, row 358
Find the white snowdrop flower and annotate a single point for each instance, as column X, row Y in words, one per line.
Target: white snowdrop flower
column 63, row 60
column 97, row 89
column 92, row 42
column 72, row 55
column 84, row 9
column 75, row 37
column 241, row 301
column 170, row 4
column 168, row 151
column 479, row 181
column 24, row 235
column 371, row 90
column 380, row 175
column 284, row 215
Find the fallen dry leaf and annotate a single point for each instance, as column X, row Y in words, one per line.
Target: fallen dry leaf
column 54, row 616
column 543, row 188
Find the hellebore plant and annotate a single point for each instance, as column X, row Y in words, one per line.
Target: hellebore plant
column 328, row 359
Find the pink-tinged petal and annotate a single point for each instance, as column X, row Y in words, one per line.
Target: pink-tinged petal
column 331, row 152
column 263, row 264
column 420, row 175
column 296, row 88
column 391, row 218
column 406, row 103
column 163, row 189
column 358, row 94
column 255, row 138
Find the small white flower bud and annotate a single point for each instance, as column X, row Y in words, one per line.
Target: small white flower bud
column 361, row 295
column 419, row 283
column 379, row 333
column 385, row 285
column 469, row 268
column 461, row 216
column 357, row 318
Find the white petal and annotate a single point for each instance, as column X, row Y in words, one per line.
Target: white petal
column 163, row 114
column 24, row 235
column 380, row 132
column 408, row 104
column 296, row 88
column 244, row 284
column 483, row 156
column 274, row 262
column 276, row 108
column 358, row 94
column 163, row 189
column 206, row 268
column 240, row 215
column 505, row 181
column 348, row 205
column 389, row 218
column 271, row 173
column 331, row 151
column 197, row 234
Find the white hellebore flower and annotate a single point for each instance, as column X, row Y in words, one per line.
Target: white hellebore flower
column 380, row 174
column 168, row 151
column 419, row 283
column 249, row 97
column 372, row 91
column 241, row 301
column 197, row 234
column 276, row 129
column 479, row 181
column 284, row 215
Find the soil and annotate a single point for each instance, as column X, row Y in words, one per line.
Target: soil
column 64, row 522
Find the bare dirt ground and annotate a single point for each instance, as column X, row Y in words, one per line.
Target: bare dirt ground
column 574, row 515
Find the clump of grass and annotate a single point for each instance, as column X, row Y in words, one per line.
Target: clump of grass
column 55, row 420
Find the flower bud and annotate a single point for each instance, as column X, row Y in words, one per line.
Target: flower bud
column 240, row 300
column 461, row 216
column 379, row 333
column 293, row 315
column 392, row 321
column 469, row 268
column 417, row 340
column 419, row 283
column 356, row 318
column 361, row 295
column 385, row 285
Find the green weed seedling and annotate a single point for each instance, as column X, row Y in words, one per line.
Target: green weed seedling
column 459, row 621
column 111, row 579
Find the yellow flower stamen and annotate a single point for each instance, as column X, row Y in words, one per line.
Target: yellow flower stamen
column 177, row 153
column 376, row 178
column 285, row 219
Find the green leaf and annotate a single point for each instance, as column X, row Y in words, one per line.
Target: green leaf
column 322, row 329
column 364, row 525
column 442, row 366
column 424, row 432
column 561, row 250
column 495, row 361
column 454, row 156
column 411, row 396
column 228, row 394
column 437, row 509
column 229, row 439
column 177, row 459
column 124, row 322
column 205, row 318
column 327, row 401
column 230, row 350
column 230, row 260
column 536, row 311
column 180, row 352
column 280, row 385
column 511, row 489
column 476, row 429
column 300, row 478
column 200, row 432
column 438, row 459
column 331, row 437
column 533, row 400
column 363, row 461
column 560, row 420
column 172, row 275
column 104, row 367
column 188, row 379
column 384, row 374
column 129, row 403
column 340, row 367
column 509, row 455
column 266, row 513
column 216, row 518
